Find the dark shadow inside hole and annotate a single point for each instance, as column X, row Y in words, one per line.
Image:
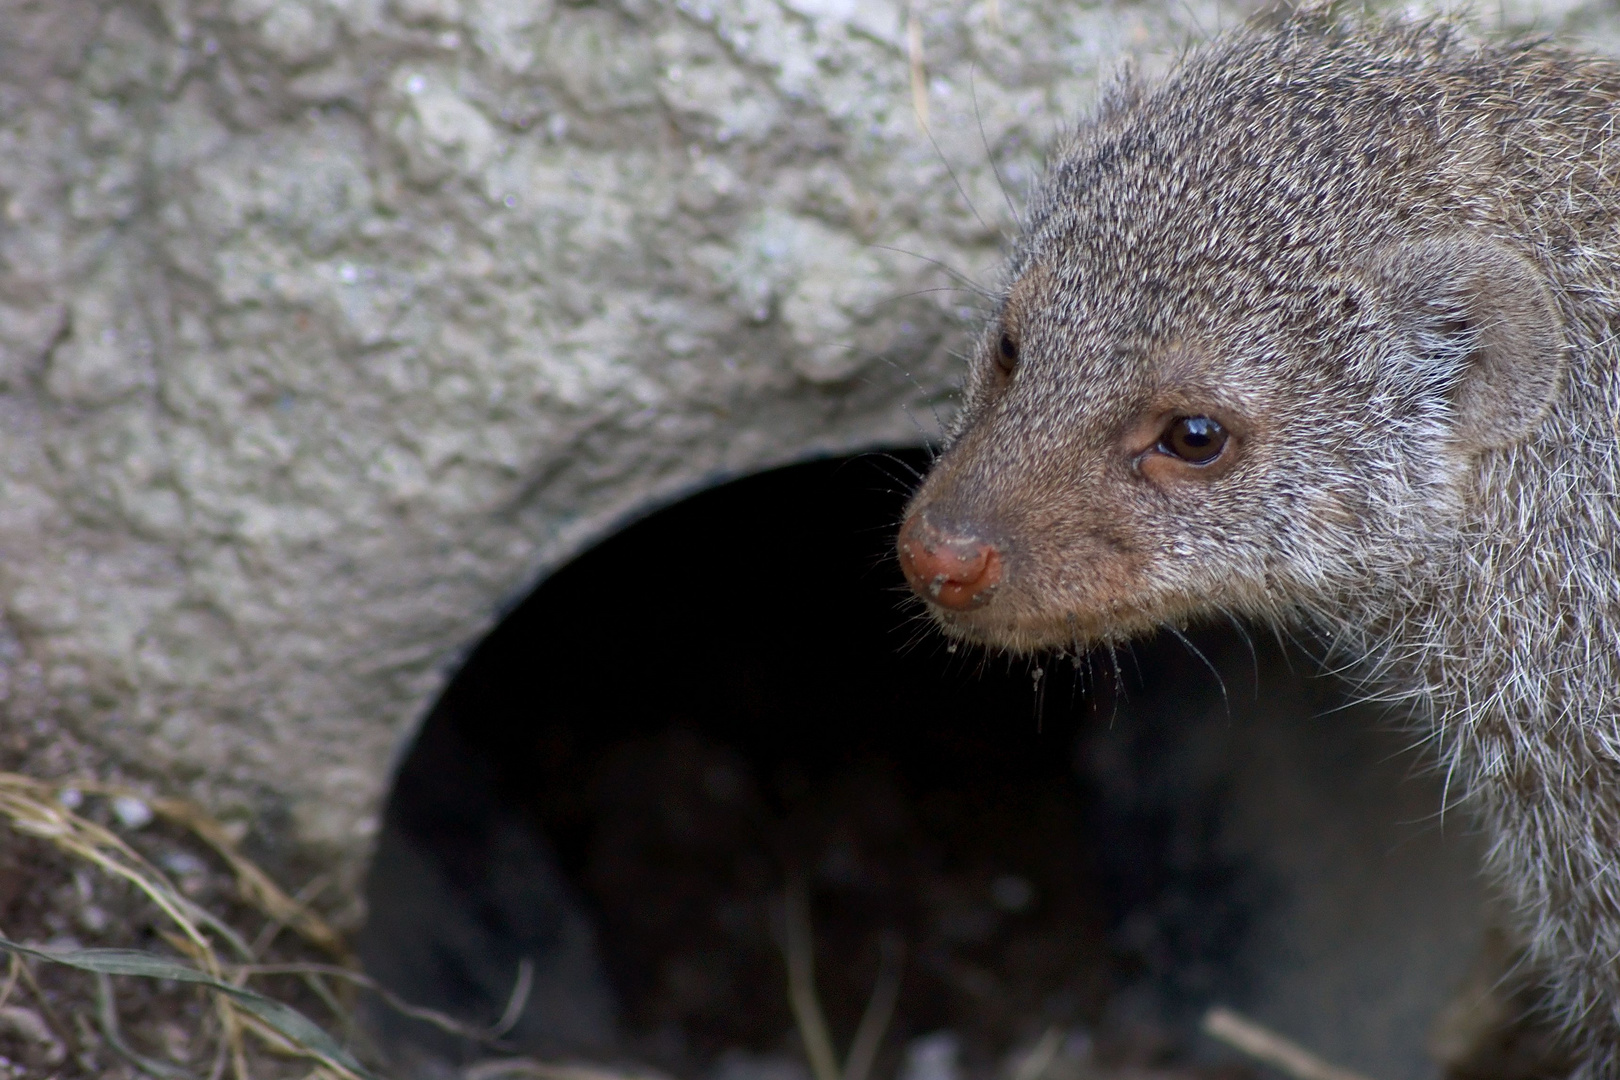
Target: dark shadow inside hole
column 625, row 773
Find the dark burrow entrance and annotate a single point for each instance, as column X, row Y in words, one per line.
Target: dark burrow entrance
column 617, row 790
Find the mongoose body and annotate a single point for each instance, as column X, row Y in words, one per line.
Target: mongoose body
column 1323, row 331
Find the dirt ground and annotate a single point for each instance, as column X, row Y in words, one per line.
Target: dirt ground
column 56, row 1021
column 981, row 896
column 687, row 882
column 62, row 1022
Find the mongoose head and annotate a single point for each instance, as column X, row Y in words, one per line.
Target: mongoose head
column 1266, row 325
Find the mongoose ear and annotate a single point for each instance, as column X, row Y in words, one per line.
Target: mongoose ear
column 1484, row 323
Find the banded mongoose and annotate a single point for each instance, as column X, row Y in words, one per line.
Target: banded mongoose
column 1323, row 330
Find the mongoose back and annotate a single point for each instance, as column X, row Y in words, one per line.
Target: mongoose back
column 1324, row 330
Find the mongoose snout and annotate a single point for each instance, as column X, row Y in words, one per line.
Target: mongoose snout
column 954, row 569
column 1075, row 551
column 1320, row 332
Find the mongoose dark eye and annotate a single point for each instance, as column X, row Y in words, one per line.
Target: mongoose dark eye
column 1197, row 440
column 1006, row 353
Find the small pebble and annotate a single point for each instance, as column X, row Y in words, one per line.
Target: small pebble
column 741, row 1065
column 933, row 1057
column 183, row 864
column 131, row 812
column 93, row 919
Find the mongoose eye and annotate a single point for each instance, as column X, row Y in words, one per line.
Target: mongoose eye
column 1006, row 353
column 1197, row 440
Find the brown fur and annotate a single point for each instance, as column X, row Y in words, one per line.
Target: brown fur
column 1386, row 258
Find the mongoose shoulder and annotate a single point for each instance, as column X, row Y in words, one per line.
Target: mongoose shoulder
column 1323, row 329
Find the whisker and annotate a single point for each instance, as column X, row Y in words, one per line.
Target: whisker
column 969, row 284
column 1213, row 670
column 984, row 141
column 1254, row 657
column 960, row 190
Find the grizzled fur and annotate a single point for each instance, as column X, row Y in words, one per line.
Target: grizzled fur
column 1387, row 258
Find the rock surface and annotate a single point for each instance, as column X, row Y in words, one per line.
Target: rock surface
column 327, row 326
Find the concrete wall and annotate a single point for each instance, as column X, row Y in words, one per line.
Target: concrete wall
column 326, row 326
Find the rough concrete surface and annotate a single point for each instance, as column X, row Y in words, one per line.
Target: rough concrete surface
column 327, row 326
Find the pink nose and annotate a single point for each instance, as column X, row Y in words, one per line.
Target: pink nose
column 958, row 571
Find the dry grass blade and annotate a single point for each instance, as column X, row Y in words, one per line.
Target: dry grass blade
column 36, row 808
column 879, row 1011
column 807, row 1014
column 1033, row 1065
column 801, row 965
column 254, row 885
column 289, row 1030
column 52, row 1021
column 11, row 980
column 516, row 1001
column 1265, row 1045
column 107, row 1021
column 490, row 1036
column 918, row 67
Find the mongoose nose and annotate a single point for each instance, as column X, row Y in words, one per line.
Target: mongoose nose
column 958, row 572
